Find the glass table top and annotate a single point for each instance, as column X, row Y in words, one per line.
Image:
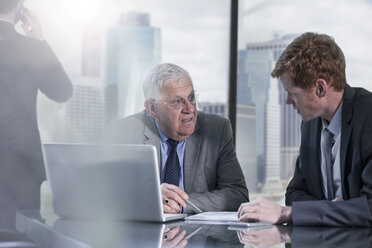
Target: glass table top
column 48, row 230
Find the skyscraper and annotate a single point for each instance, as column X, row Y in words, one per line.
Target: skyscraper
column 133, row 47
column 246, row 126
column 213, row 108
column 91, row 51
column 272, row 182
column 245, row 141
column 274, row 149
column 87, row 114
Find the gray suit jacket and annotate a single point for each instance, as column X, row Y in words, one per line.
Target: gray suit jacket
column 212, row 174
column 304, row 191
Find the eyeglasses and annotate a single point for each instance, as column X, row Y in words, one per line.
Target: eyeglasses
column 177, row 102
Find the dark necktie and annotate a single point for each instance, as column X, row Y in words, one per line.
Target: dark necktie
column 172, row 165
column 327, row 149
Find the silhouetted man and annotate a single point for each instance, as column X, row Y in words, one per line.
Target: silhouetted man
column 27, row 64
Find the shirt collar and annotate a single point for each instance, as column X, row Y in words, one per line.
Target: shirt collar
column 335, row 125
column 163, row 136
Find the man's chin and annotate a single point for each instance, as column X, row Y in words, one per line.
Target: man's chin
column 186, row 131
column 307, row 118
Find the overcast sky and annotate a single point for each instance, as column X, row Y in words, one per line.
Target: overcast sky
column 347, row 21
column 195, row 33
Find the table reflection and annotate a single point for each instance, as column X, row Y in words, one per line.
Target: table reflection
column 292, row 236
column 50, row 231
column 63, row 232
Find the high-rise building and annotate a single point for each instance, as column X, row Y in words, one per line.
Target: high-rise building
column 132, row 48
column 93, row 104
column 213, row 108
column 91, row 62
column 290, row 133
column 246, row 126
column 87, row 114
column 245, row 141
column 272, row 182
column 275, row 121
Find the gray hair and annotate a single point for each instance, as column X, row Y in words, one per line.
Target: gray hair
column 159, row 76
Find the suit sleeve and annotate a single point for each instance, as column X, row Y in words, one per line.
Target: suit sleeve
column 356, row 211
column 230, row 190
column 297, row 188
column 50, row 75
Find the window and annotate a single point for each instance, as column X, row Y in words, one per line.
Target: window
column 107, row 47
column 272, row 129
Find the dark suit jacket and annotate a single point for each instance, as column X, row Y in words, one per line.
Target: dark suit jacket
column 304, row 191
column 212, row 174
column 26, row 66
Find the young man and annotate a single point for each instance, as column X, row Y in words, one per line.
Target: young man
column 332, row 184
column 196, row 150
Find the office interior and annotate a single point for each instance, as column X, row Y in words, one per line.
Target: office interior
column 229, row 48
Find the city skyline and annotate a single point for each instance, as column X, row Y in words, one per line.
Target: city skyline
column 195, row 47
column 201, row 46
column 258, row 143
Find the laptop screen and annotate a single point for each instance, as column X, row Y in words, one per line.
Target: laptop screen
column 104, row 181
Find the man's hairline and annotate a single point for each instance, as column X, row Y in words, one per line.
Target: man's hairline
column 150, row 98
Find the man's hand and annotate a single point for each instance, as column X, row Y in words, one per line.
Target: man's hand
column 265, row 211
column 173, row 197
column 337, row 199
column 31, row 24
column 172, row 238
column 260, row 238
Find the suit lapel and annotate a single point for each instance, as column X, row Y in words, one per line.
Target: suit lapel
column 346, row 129
column 152, row 137
column 192, row 149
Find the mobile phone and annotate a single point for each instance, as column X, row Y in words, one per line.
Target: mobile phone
column 22, row 15
column 21, row 11
column 19, row 14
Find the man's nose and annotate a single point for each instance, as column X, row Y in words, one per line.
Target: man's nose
column 187, row 106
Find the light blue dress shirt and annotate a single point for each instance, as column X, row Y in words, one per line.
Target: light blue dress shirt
column 165, row 150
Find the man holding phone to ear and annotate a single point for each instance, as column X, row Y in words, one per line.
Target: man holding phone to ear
column 27, row 65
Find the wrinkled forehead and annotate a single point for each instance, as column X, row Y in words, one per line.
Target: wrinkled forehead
column 182, row 88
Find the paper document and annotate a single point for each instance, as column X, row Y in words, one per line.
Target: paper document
column 255, row 226
column 241, row 224
column 221, row 218
column 224, row 217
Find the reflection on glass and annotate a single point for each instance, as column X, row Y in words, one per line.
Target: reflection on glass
column 294, row 236
column 108, row 46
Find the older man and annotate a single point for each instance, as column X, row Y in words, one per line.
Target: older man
column 332, row 183
column 196, row 150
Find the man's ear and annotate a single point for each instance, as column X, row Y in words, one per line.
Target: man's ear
column 321, row 88
column 150, row 108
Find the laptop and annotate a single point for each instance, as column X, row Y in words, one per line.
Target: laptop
column 100, row 181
